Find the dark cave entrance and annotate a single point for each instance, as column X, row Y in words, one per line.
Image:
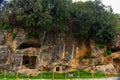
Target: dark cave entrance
column 57, row 69
column 28, row 45
column 117, row 64
column 29, row 61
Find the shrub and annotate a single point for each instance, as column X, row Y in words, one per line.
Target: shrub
column 108, row 52
column 5, row 27
column 101, row 46
column 86, row 56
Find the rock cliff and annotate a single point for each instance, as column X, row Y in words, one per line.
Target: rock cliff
column 24, row 54
column 59, row 54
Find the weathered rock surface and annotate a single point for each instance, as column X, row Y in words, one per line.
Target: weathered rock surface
column 109, row 64
column 58, row 54
column 115, row 46
column 108, row 68
column 2, row 39
column 3, row 54
column 96, row 50
column 116, row 61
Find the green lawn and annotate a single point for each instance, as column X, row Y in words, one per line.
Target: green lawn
column 49, row 75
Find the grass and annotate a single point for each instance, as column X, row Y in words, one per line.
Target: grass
column 49, row 75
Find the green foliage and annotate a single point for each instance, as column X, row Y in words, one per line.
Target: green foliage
column 80, row 58
column 14, row 35
column 118, row 23
column 33, row 35
column 101, row 46
column 108, row 52
column 90, row 20
column 5, row 27
column 86, row 56
column 29, row 15
column 93, row 21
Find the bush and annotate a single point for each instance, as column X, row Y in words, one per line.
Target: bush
column 108, row 52
column 5, row 27
column 86, row 56
column 101, row 46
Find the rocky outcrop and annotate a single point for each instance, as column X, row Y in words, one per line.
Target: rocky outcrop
column 106, row 64
column 116, row 61
column 5, row 52
column 115, row 45
column 59, row 54
column 2, row 39
column 108, row 68
column 47, row 53
column 97, row 49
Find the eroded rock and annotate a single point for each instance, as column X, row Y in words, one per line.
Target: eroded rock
column 2, row 39
column 108, row 68
column 58, row 54
column 3, row 54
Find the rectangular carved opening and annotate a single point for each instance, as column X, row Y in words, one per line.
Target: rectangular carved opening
column 57, row 69
column 29, row 61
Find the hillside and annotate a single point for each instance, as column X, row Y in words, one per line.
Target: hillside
column 58, row 36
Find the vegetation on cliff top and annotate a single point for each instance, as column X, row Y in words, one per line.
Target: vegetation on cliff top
column 84, row 20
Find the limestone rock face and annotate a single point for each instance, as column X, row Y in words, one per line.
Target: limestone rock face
column 3, row 54
column 106, row 64
column 17, row 41
column 115, row 46
column 96, row 50
column 16, row 60
column 47, row 53
column 25, row 55
column 116, row 61
column 108, row 68
column 99, row 60
column 3, row 57
column 2, row 39
column 109, row 64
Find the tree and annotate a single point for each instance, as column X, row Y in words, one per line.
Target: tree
column 60, row 11
column 28, row 14
column 84, row 20
column 93, row 20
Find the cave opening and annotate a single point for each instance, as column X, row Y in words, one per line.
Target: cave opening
column 115, row 50
column 29, row 61
column 28, row 45
column 57, row 69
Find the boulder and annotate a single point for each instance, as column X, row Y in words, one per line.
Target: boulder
column 108, row 68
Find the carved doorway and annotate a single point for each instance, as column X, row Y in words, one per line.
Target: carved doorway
column 29, row 61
